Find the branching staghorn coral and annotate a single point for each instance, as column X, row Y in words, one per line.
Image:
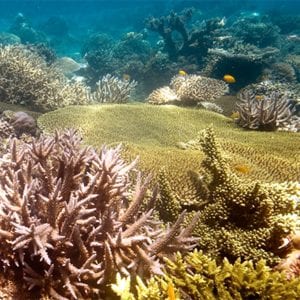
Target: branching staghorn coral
column 70, row 218
column 197, row 276
column 238, row 218
column 26, row 79
column 111, row 89
column 266, row 112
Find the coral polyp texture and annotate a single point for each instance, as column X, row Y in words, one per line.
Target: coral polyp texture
column 164, row 95
column 70, row 218
column 266, row 112
column 26, row 79
column 238, row 218
column 197, row 276
column 189, row 90
column 196, row 88
column 111, row 89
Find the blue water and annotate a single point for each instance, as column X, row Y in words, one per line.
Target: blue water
column 68, row 28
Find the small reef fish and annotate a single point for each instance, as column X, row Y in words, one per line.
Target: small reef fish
column 235, row 115
column 293, row 37
column 126, row 77
column 171, row 292
column 182, row 73
column 229, row 78
column 241, row 168
column 259, row 97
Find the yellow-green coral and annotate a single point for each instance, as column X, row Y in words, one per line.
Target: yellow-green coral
column 153, row 132
column 26, row 79
column 197, row 276
column 238, row 218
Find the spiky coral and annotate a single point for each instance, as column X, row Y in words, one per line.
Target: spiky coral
column 238, row 218
column 65, row 221
column 197, row 276
column 26, row 79
column 111, row 89
column 266, row 112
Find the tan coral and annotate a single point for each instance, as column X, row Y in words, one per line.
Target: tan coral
column 26, row 79
column 162, row 95
column 196, row 88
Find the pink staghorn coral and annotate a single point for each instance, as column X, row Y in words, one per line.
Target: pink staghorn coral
column 70, row 218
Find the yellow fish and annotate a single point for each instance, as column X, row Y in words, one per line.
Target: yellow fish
column 182, row 73
column 259, row 97
column 171, row 292
column 229, row 78
column 244, row 169
column 126, row 77
column 235, row 115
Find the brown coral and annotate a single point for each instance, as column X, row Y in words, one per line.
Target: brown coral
column 195, row 88
column 164, row 95
column 238, row 218
column 266, row 112
column 26, row 79
column 70, row 219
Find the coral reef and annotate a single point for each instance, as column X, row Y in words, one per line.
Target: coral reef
column 195, row 88
column 266, row 112
column 191, row 43
column 24, row 30
column 154, row 131
column 197, row 276
column 111, row 89
column 26, row 79
column 256, row 31
column 164, row 95
column 70, row 218
column 189, row 90
column 238, row 58
column 238, row 218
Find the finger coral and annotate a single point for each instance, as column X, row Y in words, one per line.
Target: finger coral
column 113, row 90
column 266, row 112
column 70, row 218
column 26, row 79
column 238, row 218
column 196, row 276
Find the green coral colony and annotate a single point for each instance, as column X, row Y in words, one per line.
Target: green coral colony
column 151, row 170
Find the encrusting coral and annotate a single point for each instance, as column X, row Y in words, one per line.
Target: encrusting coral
column 26, row 79
column 70, row 218
column 197, row 276
column 238, row 218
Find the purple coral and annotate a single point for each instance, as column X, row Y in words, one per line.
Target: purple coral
column 70, row 218
column 266, row 112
